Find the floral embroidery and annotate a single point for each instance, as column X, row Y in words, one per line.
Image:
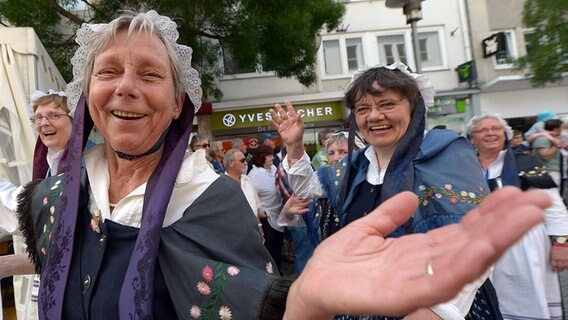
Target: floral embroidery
column 213, row 285
column 454, row 197
column 269, row 268
column 49, row 211
column 207, row 273
column 203, row 288
column 233, row 271
column 225, row 313
column 195, row 312
column 536, row 172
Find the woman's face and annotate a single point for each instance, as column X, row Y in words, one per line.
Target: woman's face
column 336, row 151
column 383, row 119
column 131, row 95
column 55, row 134
column 202, row 144
column 268, row 161
column 488, row 135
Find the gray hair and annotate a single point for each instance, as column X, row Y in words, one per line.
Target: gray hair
column 229, row 155
column 237, row 142
column 471, row 125
column 132, row 22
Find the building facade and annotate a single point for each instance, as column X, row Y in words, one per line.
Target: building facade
column 453, row 37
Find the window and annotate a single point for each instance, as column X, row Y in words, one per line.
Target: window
column 504, row 58
column 430, row 52
column 231, row 67
column 354, row 48
column 391, row 49
column 332, row 57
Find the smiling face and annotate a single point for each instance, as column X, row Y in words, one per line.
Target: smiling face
column 54, row 134
column 382, row 118
column 336, row 151
column 488, row 135
column 131, row 92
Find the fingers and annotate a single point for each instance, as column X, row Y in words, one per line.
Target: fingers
column 389, row 215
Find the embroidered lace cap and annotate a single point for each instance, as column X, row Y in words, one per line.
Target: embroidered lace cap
column 424, row 84
column 168, row 28
column 37, row 94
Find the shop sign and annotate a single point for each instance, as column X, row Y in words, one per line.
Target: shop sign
column 260, row 117
column 443, row 106
column 494, row 44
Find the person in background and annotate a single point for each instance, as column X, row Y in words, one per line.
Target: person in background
column 52, row 120
column 526, row 277
column 320, row 158
column 235, row 164
column 181, row 242
column 518, row 142
column 387, row 106
column 200, row 141
column 537, row 129
column 263, row 177
column 239, row 143
column 548, row 152
column 216, row 154
column 269, row 140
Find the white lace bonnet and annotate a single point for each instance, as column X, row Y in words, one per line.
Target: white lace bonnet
column 168, row 28
column 424, row 84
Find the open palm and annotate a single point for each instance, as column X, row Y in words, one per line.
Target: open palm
column 357, row 271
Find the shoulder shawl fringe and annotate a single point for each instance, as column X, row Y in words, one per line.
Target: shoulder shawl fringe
column 26, row 222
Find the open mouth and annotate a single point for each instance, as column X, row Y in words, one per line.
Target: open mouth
column 49, row 133
column 127, row 115
column 380, row 127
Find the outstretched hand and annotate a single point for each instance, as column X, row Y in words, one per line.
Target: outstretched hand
column 357, row 271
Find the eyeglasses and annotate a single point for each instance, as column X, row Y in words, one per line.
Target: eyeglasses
column 204, row 146
column 243, row 160
column 485, row 131
column 384, row 107
column 50, row 117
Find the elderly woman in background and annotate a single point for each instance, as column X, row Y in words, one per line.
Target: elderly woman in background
column 52, row 121
column 387, row 105
column 526, row 277
column 180, row 242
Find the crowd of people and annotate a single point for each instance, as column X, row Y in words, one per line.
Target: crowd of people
column 384, row 220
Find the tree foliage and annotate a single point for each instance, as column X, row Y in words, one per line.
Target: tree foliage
column 275, row 35
column 547, row 56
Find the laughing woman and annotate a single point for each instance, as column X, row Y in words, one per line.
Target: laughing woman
column 388, row 107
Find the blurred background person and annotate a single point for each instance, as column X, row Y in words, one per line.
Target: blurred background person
column 526, row 277
column 518, row 143
column 217, row 152
column 263, row 175
column 236, row 167
column 546, row 149
column 320, row 158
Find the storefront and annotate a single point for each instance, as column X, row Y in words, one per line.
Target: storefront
column 249, row 123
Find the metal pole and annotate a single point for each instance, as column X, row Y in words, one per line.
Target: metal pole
column 416, row 47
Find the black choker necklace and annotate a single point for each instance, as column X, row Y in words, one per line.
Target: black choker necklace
column 154, row 148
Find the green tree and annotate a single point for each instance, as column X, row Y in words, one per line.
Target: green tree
column 275, row 35
column 547, row 44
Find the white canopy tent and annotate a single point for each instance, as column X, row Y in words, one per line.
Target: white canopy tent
column 25, row 66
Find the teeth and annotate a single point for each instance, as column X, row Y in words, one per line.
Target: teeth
column 384, row 126
column 123, row 114
column 48, row 132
